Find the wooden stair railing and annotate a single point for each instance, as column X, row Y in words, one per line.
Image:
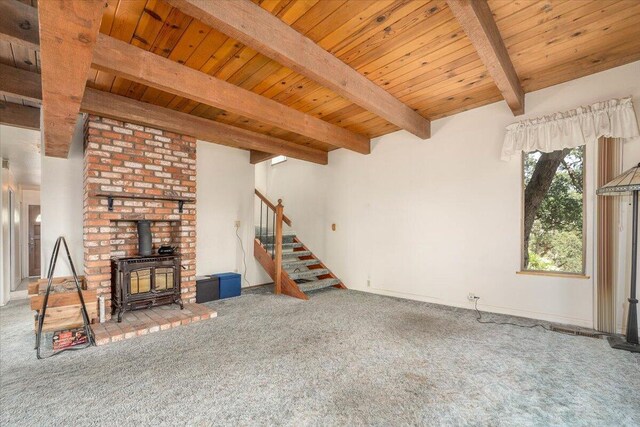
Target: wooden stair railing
column 279, row 218
column 278, row 244
column 271, row 206
column 287, row 286
column 268, row 251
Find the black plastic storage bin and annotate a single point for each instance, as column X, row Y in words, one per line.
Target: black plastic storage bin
column 207, row 289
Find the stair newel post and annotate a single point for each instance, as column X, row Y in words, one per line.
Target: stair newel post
column 278, row 246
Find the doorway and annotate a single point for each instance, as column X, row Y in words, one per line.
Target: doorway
column 34, row 240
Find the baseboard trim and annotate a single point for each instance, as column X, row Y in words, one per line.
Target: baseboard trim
column 534, row 315
column 18, row 295
column 257, row 286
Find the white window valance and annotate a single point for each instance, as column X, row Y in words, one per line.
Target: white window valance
column 615, row 118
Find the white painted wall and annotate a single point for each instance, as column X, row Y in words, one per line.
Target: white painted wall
column 29, row 197
column 225, row 184
column 16, row 239
column 10, row 230
column 10, row 235
column 307, row 211
column 61, row 205
column 434, row 220
column 5, row 268
column 4, row 291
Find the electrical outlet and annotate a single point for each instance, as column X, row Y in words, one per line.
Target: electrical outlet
column 472, row 297
column 368, row 283
column 237, row 224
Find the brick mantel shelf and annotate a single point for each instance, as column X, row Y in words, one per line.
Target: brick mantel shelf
column 134, row 173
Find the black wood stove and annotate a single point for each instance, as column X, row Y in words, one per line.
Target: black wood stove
column 144, row 281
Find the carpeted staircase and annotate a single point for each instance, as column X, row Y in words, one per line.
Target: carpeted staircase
column 302, row 271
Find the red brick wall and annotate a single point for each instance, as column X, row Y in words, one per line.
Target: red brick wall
column 125, row 158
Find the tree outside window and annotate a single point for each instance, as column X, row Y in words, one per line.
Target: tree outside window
column 553, row 224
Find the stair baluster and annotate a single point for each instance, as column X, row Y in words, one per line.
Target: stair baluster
column 278, row 246
column 293, row 272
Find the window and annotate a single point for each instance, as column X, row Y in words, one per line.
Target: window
column 278, row 159
column 553, row 223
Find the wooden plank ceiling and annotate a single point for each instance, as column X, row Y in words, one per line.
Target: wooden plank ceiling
column 415, row 49
column 21, row 57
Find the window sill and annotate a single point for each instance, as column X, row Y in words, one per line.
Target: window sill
column 554, row 274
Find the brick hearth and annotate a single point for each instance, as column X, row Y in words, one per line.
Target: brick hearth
column 127, row 159
column 143, row 322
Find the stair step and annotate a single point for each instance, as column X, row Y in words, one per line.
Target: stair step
column 293, row 264
column 264, row 230
column 318, row 284
column 289, row 245
column 270, row 238
column 271, row 235
column 288, row 255
column 308, row 274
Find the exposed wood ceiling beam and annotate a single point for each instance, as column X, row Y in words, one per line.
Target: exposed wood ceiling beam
column 19, row 116
column 257, row 28
column 19, row 24
column 136, row 64
column 276, row 114
column 122, row 108
column 259, row 156
column 26, row 85
column 476, row 19
column 21, row 84
column 68, row 31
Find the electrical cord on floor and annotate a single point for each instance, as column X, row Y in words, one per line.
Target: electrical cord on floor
column 535, row 325
column 479, row 319
column 244, row 257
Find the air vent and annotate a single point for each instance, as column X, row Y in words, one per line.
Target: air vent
column 577, row 331
column 5, row 163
